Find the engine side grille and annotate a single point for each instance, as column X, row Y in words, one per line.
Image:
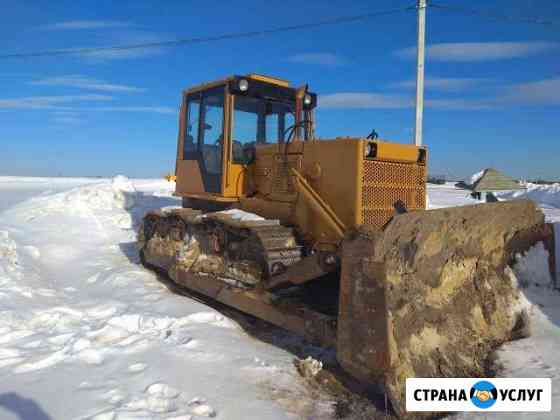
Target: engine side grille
column 385, row 183
column 281, row 177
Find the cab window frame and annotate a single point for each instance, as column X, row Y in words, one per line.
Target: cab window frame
column 192, row 153
column 199, row 96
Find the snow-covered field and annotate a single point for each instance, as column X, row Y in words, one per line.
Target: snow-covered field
column 87, row 332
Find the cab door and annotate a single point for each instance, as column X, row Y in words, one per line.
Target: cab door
column 200, row 162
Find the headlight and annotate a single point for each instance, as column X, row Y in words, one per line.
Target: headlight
column 243, row 85
column 307, row 99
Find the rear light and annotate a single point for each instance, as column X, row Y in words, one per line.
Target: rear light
column 370, row 150
column 422, row 156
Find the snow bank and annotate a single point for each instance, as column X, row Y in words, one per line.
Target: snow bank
column 541, row 194
column 532, row 269
column 118, row 193
column 108, row 203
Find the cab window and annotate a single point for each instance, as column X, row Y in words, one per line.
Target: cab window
column 191, row 130
column 258, row 121
column 212, row 134
column 204, row 129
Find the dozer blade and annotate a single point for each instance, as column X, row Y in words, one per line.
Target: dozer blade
column 432, row 295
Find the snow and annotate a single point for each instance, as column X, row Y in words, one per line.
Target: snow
column 547, row 196
column 475, row 177
column 531, row 269
column 447, row 195
column 87, row 333
column 81, row 319
column 241, row 215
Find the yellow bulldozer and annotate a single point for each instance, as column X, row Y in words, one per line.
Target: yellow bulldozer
column 330, row 238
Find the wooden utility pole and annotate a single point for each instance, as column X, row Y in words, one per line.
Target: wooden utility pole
column 420, row 72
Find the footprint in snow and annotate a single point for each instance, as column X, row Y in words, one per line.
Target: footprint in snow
column 199, row 407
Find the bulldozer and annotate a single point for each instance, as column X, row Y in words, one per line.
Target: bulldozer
column 330, row 238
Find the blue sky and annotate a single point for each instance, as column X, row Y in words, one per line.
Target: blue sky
column 492, row 88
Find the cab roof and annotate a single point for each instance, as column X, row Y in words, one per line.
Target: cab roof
column 253, row 76
column 260, row 86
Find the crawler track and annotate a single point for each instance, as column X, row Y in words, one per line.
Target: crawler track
column 231, row 261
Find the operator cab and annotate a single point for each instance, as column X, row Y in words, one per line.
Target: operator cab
column 222, row 123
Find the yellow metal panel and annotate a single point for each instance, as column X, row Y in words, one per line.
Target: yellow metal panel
column 189, row 177
column 323, row 210
column 397, row 152
column 269, row 79
column 332, row 169
column 235, row 186
column 226, row 143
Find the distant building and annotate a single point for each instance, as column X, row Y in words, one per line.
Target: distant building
column 492, row 181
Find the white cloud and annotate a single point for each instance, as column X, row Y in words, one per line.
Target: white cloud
column 85, row 83
column 443, row 83
column 540, row 92
column 131, row 42
column 50, row 102
column 120, row 45
column 459, row 104
column 326, row 59
column 384, row 101
column 85, row 24
column 480, row 51
column 364, row 100
column 152, row 109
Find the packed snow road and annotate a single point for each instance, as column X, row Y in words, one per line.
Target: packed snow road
column 87, row 333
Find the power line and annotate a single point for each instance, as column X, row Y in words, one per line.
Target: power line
column 493, row 15
column 223, row 37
